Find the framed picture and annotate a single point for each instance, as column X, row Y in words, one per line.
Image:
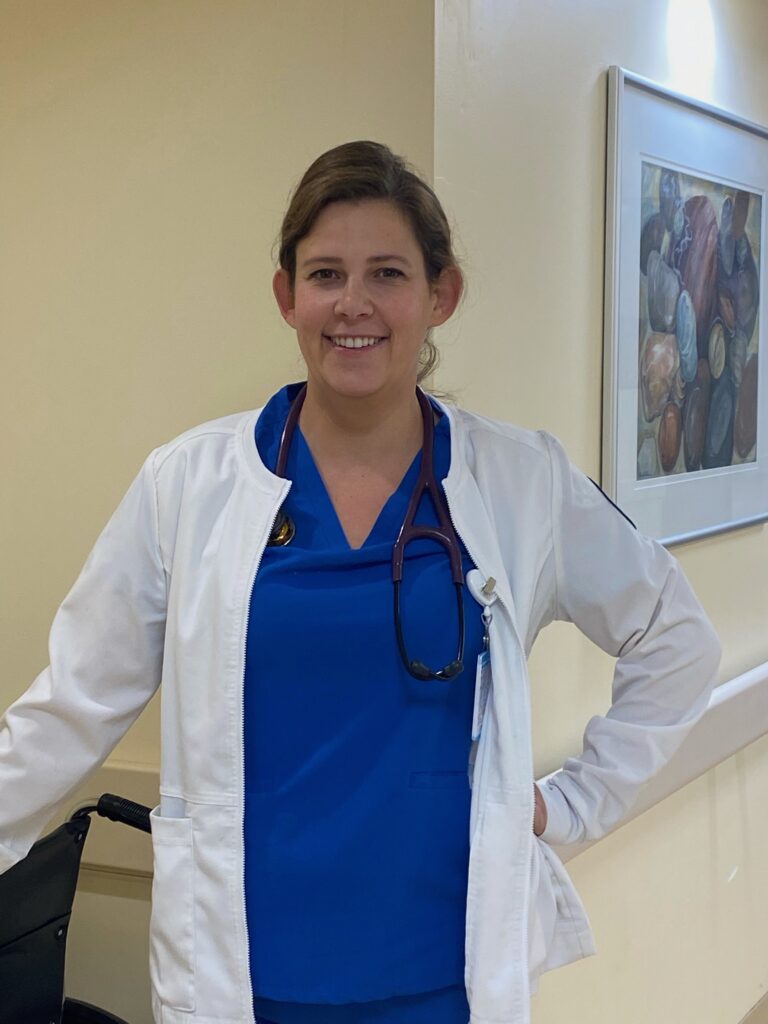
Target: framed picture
column 685, row 412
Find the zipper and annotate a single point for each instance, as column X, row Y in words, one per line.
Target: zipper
column 254, row 574
column 487, row 595
column 487, row 578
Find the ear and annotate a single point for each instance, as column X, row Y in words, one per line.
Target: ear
column 446, row 292
column 283, row 291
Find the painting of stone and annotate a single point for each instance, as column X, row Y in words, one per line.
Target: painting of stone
column 698, row 338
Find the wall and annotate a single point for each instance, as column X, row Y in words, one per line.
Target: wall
column 677, row 898
column 148, row 151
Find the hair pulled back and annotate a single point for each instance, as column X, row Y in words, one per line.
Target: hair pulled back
column 362, row 170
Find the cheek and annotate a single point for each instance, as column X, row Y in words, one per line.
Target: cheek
column 415, row 315
column 309, row 311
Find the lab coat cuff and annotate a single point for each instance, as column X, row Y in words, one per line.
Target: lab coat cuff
column 562, row 827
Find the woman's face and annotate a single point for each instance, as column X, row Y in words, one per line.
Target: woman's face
column 361, row 304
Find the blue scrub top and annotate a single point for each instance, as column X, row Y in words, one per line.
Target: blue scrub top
column 357, row 796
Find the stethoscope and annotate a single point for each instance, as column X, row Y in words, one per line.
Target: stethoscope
column 284, row 531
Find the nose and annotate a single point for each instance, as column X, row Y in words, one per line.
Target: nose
column 353, row 299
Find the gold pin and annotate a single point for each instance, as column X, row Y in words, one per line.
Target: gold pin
column 283, row 531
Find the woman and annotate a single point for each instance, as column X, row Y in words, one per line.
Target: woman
column 329, row 691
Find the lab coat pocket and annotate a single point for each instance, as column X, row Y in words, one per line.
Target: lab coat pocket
column 172, row 923
column 542, row 914
column 559, row 930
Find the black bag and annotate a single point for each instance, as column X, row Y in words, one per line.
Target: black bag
column 36, row 898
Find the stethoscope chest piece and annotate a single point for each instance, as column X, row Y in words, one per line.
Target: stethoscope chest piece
column 283, row 531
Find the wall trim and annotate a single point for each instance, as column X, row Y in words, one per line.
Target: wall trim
column 111, row 847
column 758, row 1014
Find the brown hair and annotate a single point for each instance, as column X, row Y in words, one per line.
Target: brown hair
column 362, row 170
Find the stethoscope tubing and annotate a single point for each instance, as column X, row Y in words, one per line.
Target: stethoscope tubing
column 284, row 530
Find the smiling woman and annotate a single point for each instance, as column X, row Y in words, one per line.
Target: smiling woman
column 366, row 270
column 361, row 305
column 364, row 171
column 347, row 828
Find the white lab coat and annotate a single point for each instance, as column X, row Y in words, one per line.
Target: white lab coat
column 164, row 597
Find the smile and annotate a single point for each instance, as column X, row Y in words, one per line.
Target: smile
column 356, row 341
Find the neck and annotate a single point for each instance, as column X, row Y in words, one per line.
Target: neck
column 358, row 429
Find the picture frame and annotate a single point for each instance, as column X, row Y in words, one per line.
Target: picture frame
column 685, row 389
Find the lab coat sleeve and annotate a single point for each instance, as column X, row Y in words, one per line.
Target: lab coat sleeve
column 105, row 651
column 628, row 595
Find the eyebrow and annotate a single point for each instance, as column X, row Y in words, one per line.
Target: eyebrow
column 337, row 260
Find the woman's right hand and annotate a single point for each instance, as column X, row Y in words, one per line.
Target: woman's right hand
column 540, row 812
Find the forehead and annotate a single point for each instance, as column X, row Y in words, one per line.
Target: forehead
column 362, row 225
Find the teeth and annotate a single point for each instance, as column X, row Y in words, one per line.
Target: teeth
column 358, row 342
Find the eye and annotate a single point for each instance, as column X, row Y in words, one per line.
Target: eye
column 390, row 272
column 323, row 274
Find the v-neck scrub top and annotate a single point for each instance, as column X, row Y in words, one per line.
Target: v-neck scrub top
column 356, row 789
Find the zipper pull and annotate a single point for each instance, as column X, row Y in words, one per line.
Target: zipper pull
column 487, row 619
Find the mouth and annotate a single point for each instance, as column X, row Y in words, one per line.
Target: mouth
column 356, row 341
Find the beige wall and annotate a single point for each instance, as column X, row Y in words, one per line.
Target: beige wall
column 148, row 148
column 148, row 151
column 679, row 897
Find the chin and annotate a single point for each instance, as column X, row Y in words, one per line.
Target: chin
column 357, row 390
column 355, row 385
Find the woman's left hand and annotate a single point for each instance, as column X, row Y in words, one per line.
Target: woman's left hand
column 540, row 812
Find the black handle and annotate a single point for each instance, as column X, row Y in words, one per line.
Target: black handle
column 117, row 808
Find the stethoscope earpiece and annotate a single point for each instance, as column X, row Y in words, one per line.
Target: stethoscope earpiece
column 419, row 670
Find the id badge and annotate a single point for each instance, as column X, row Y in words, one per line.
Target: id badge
column 483, row 681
